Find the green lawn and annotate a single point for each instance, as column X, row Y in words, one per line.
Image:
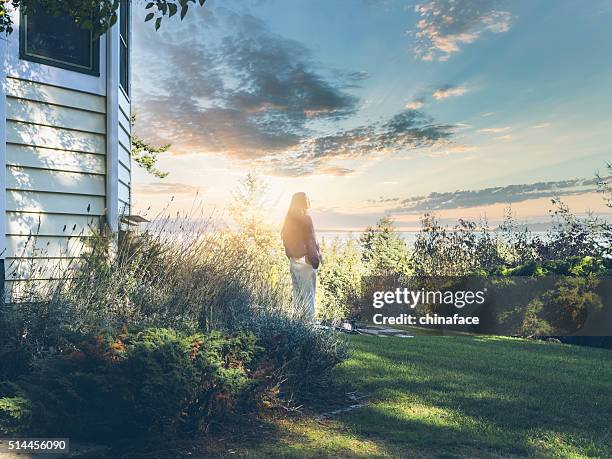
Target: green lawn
column 463, row 396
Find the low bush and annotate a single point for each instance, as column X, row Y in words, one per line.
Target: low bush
column 32, row 330
column 121, row 385
column 302, row 357
column 118, row 386
column 14, row 412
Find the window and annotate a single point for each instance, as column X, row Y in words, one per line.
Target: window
column 124, row 40
column 58, row 41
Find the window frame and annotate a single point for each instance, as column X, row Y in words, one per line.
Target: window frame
column 125, row 42
column 94, row 70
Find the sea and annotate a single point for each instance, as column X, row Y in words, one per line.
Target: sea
column 408, row 236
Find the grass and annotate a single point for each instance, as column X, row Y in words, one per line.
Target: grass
column 484, row 396
column 445, row 396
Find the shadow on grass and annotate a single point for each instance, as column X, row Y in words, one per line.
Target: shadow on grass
column 501, row 396
column 441, row 397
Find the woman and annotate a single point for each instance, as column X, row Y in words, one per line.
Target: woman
column 303, row 252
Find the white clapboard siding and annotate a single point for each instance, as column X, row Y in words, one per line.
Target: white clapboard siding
column 51, row 137
column 48, row 158
column 124, row 104
column 125, row 157
column 44, row 246
column 54, row 95
column 124, row 122
column 21, row 178
column 124, row 174
column 44, row 224
column 39, row 268
column 56, row 203
column 124, row 208
column 19, row 291
column 124, row 192
column 124, row 139
column 54, row 115
column 55, row 179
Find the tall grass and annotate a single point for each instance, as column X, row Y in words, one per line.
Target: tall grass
column 188, row 271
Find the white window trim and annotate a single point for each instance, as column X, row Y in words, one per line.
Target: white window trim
column 112, row 128
column 3, row 55
column 55, row 76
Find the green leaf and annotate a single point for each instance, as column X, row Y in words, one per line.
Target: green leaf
column 184, row 11
column 173, row 9
column 158, row 23
column 149, row 17
column 202, row 2
column 149, row 5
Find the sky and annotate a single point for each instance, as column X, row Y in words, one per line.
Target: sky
column 379, row 107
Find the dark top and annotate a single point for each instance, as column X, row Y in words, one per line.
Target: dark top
column 299, row 239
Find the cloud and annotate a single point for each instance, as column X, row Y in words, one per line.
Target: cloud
column 416, row 104
column 445, row 26
column 452, row 149
column 409, row 129
column 382, row 200
column 541, row 126
column 246, row 92
column 496, row 195
column 449, row 91
column 494, row 130
column 165, row 188
column 228, row 85
column 504, row 137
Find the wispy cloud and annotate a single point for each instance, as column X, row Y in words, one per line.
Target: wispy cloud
column 505, row 138
column 541, row 126
column 495, row 195
column 244, row 93
column 416, row 104
column 258, row 97
column 165, row 188
column 409, row 129
column 494, row 130
column 445, row 26
column 449, row 91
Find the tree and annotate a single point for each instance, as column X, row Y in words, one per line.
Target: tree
column 339, row 280
column 604, row 185
column 248, row 210
column 145, row 155
column 98, row 15
column 254, row 238
column 384, row 251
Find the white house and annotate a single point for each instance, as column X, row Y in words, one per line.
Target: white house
column 65, row 140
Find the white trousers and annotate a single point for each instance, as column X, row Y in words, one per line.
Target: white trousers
column 304, row 280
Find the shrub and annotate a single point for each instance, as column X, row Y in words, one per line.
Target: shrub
column 339, row 280
column 114, row 386
column 32, row 330
column 14, row 414
column 303, row 357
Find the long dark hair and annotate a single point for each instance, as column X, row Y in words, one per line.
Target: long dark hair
column 297, row 209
